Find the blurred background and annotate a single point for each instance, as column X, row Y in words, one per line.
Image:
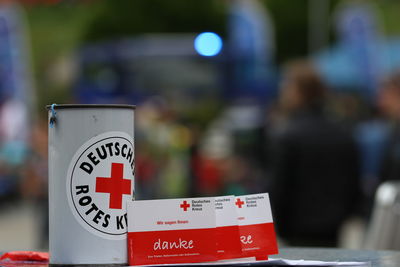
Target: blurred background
column 300, row 99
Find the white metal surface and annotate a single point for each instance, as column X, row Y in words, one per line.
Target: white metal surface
column 91, row 176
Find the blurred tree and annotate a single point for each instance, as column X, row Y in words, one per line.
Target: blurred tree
column 388, row 12
column 291, row 27
column 55, row 32
column 126, row 18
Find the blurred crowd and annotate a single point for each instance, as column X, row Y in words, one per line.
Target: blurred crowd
column 320, row 154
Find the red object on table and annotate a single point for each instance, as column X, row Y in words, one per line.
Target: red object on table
column 25, row 256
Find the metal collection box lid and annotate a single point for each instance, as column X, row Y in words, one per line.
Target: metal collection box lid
column 63, row 106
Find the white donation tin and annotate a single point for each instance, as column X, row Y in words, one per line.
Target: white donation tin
column 91, row 177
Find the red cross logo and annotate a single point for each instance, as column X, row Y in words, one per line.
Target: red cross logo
column 115, row 185
column 185, row 205
column 239, row 203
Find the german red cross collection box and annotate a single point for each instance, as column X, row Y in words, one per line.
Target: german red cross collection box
column 91, row 178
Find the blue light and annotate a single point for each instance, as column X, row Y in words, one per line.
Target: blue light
column 208, row 44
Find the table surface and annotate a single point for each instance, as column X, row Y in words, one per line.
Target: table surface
column 377, row 258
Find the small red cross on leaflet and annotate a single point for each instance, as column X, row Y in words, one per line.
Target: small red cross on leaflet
column 185, row 205
column 115, row 185
column 239, row 203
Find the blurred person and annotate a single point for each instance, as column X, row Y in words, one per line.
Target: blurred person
column 371, row 135
column 389, row 105
column 214, row 150
column 163, row 167
column 145, row 171
column 231, row 156
column 314, row 164
column 13, row 144
column 238, row 176
column 34, row 186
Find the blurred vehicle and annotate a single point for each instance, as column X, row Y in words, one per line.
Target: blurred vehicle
column 134, row 70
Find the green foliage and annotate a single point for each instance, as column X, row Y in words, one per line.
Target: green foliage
column 291, row 26
column 125, row 18
column 55, row 31
column 290, row 19
column 389, row 12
